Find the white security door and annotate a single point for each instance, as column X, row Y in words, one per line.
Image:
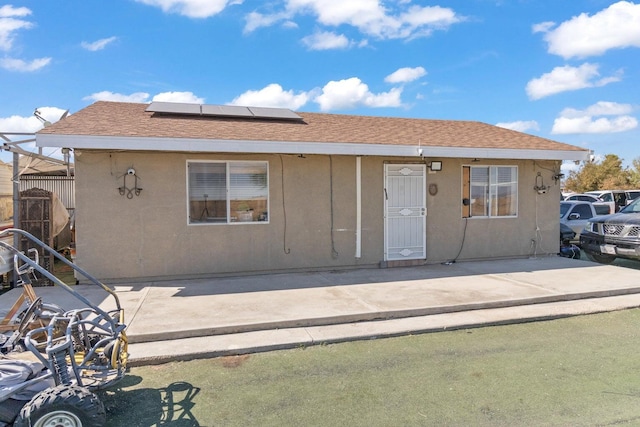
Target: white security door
column 405, row 212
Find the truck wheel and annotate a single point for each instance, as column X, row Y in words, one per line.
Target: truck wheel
column 63, row 405
column 601, row 258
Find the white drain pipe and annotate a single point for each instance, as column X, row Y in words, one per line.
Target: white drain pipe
column 358, row 207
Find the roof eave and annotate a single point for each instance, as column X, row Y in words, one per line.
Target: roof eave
column 94, row 142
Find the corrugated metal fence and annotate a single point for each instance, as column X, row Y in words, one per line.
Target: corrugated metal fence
column 62, row 186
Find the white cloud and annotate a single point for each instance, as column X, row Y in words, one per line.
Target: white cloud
column 587, row 124
column 352, row 93
column 185, row 97
column 20, row 124
column 405, row 75
column 30, row 124
column 8, row 11
column 325, row 40
column 569, row 166
column 98, row 44
column 601, row 108
column 422, row 21
column 290, row 24
column 9, row 24
column 370, row 17
column 272, row 95
column 142, row 97
column 520, row 126
column 562, row 79
column 590, row 120
column 191, row 8
column 335, row 95
column 615, row 27
column 117, row 97
column 255, row 20
column 542, row 27
column 13, row 64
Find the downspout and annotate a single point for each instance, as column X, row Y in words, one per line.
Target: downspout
column 358, row 207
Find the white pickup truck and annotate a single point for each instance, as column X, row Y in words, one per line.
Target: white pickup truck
column 576, row 215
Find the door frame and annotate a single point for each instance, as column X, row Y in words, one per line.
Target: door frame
column 415, row 212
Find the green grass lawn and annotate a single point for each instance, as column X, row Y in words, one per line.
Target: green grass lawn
column 580, row 371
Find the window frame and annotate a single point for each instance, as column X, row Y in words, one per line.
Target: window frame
column 491, row 193
column 229, row 220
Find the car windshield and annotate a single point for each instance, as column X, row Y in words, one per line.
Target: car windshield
column 633, row 207
column 564, row 207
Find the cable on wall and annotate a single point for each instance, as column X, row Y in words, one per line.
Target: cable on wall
column 286, row 250
column 464, row 237
column 334, row 253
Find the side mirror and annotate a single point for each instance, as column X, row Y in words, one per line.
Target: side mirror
column 573, row 216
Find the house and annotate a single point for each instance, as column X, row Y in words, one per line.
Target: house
column 166, row 190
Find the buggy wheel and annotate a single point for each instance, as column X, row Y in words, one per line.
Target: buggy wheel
column 117, row 352
column 63, row 405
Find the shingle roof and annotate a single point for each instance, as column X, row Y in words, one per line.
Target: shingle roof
column 119, row 119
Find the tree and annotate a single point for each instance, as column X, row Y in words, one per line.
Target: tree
column 635, row 173
column 607, row 174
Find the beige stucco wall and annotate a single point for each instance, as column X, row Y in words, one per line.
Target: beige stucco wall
column 147, row 236
column 487, row 238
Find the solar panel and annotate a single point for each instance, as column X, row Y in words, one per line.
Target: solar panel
column 274, row 113
column 222, row 111
column 174, row 107
column 225, row 110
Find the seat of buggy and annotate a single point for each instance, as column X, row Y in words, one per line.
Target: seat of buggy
column 13, row 374
column 17, row 369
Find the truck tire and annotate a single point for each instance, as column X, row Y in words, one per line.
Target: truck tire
column 601, row 258
column 69, row 406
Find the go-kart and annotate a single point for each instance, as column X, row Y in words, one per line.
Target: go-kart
column 52, row 361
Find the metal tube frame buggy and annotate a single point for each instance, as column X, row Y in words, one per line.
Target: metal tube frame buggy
column 82, row 350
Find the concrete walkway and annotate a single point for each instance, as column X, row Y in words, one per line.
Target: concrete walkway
column 189, row 319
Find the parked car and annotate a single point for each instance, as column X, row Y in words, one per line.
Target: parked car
column 583, row 197
column 613, row 236
column 616, row 199
column 576, row 215
column 632, row 195
column 603, row 208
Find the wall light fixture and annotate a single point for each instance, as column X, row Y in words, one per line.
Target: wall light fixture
column 435, row 165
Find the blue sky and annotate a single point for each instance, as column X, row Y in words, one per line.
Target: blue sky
column 562, row 69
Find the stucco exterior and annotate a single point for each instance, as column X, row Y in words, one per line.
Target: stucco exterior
column 148, row 236
column 323, row 191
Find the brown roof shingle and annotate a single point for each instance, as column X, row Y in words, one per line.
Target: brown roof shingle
column 131, row 120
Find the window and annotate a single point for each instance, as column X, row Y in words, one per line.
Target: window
column 490, row 191
column 228, row 192
column 584, row 211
